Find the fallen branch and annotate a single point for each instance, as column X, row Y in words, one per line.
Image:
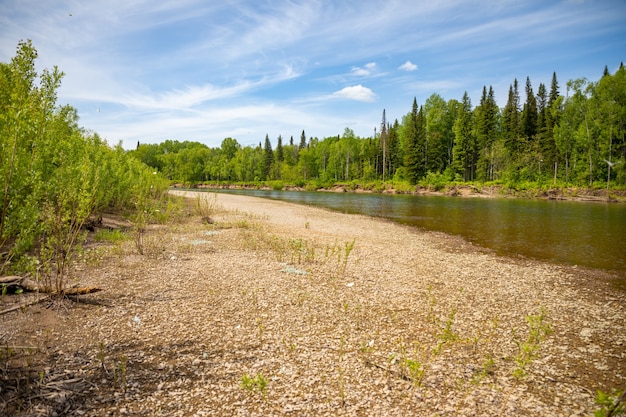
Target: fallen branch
column 23, row 305
column 28, row 284
column 11, row 279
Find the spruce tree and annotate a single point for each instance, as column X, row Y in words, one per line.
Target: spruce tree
column 544, row 137
column 511, row 122
column 529, row 116
column 486, row 127
column 268, row 158
column 280, row 156
column 395, row 159
column 554, row 90
column 302, row 140
column 465, row 146
column 383, row 142
column 549, row 148
column 414, row 158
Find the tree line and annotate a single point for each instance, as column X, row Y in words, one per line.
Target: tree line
column 577, row 138
column 55, row 175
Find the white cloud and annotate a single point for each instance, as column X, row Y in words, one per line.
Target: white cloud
column 408, row 66
column 368, row 69
column 357, row 93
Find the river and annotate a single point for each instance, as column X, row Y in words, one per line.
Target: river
column 576, row 233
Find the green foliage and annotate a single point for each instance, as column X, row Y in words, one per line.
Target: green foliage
column 112, row 236
column 435, row 181
column 53, row 174
column 254, row 383
column 611, row 404
column 538, row 329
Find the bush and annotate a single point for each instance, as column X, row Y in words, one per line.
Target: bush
column 54, row 175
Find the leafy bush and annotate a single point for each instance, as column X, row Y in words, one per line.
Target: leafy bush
column 53, row 174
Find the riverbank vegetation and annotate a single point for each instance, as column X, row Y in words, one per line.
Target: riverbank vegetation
column 55, row 177
column 573, row 142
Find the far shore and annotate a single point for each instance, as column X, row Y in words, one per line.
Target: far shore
column 466, row 191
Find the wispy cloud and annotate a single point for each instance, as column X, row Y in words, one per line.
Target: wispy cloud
column 368, row 69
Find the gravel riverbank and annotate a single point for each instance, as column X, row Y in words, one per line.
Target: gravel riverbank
column 281, row 309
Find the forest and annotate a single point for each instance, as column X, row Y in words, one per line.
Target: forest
column 551, row 139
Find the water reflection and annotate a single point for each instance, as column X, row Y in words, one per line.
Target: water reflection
column 586, row 234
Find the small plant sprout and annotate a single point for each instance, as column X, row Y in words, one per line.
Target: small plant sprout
column 254, row 383
column 447, row 335
column 119, row 372
column 414, row 370
column 538, row 329
column 486, row 369
column 101, row 356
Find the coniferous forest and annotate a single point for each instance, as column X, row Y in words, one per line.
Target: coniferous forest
column 555, row 135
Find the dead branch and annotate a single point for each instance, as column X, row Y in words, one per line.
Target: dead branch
column 23, row 305
column 28, row 284
column 8, row 280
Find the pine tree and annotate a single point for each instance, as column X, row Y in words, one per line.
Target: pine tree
column 416, row 137
column 302, row 140
column 486, row 126
column 465, row 147
column 383, row 142
column 529, row 116
column 268, row 158
column 280, row 156
column 511, row 122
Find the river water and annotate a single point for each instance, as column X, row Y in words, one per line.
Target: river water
column 575, row 233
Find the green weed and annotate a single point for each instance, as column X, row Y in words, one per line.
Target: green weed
column 447, row 335
column 111, row 236
column 119, row 373
column 254, row 383
column 538, row 329
column 413, row 369
column 611, row 404
column 486, row 369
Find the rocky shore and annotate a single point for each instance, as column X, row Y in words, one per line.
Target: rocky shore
column 260, row 307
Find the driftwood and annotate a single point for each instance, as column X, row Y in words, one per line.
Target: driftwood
column 28, row 284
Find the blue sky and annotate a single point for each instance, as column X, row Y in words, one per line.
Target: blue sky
column 140, row 70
